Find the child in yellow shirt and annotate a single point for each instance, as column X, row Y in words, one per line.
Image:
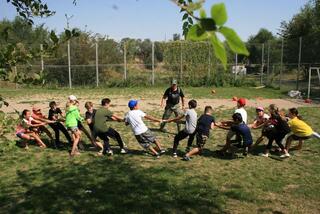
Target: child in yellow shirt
column 300, row 131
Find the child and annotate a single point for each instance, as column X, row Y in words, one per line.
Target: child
column 24, row 132
column 259, row 122
column 103, row 131
column 37, row 115
column 189, row 131
column 55, row 114
column 227, row 124
column 300, row 131
column 241, row 129
column 74, row 99
column 89, row 119
column 205, row 123
column 280, row 130
column 143, row 135
column 72, row 118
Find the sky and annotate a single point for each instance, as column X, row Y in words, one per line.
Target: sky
column 158, row 20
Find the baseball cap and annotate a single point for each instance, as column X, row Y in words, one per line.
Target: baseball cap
column 132, row 103
column 174, row 82
column 242, row 101
column 72, row 98
column 260, row 108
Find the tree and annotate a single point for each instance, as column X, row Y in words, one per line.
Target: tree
column 205, row 28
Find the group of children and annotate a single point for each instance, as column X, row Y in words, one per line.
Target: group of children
column 283, row 129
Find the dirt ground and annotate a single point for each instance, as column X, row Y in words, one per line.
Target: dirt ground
column 119, row 104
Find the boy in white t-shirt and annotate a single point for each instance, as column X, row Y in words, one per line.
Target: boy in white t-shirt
column 143, row 135
column 227, row 124
column 189, row 130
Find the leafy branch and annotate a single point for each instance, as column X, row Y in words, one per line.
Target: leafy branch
column 207, row 28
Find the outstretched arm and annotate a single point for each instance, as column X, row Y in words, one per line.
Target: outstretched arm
column 148, row 117
column 174, row 119
column 117, row 118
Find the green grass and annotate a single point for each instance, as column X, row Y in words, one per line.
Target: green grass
column 48, row 181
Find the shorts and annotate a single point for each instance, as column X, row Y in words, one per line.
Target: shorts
column 146, row 139
column 201, row 140
column 295, row 137
column 73, row 129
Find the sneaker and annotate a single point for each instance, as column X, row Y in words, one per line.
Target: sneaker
column 174, row 155
column 157, row 155
column 188, row 148
column 123, row 151
column 264, row 155
column 285, row 155
column 186, row 158
column 162, row 151
column 110, row 152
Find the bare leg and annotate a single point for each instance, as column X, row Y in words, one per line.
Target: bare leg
column 158, row 145
column 193, row 152
column 153, row 150
column 76, row 139
column 38, row 140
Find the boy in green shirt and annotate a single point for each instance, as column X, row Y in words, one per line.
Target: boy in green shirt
column 102, row 130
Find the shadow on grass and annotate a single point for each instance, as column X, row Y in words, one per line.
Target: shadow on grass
column 105, row 185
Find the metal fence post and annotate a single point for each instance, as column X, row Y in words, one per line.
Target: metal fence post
column 209, row 61
column 97, row 65
column 268, row 63
column 69, row 65
column 181, row 67
column 42, row 62
column 299, row 62
column 152, row 80
column 281, row 63
column 235, row 70
column 262, row 65
column 125, row 60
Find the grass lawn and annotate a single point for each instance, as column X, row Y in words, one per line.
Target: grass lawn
column 48, row 181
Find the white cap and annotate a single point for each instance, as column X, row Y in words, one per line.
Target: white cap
column 72, row 98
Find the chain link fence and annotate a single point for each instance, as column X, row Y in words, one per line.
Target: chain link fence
column 281, row 64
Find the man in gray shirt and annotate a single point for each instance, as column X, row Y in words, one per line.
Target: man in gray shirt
column 172, row 97
column 191, row 124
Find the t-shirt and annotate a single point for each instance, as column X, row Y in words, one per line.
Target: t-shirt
column 244, row 131
column 99, row 120
column 300, row 128
column 54, row 113
column 173, row 97
column 90, row 115
column 280, row 124
column 134, row 118
column 204, row 124
column 262, row 119
column 24, row 125
column 191, row 120
column 243, row 113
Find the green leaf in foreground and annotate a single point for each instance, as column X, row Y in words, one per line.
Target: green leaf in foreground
column 196, row 33
column 219, row 14
column 219, row 49
column 208, row 24
column 234, row 41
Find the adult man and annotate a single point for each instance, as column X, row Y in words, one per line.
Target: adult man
column 172, row 96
